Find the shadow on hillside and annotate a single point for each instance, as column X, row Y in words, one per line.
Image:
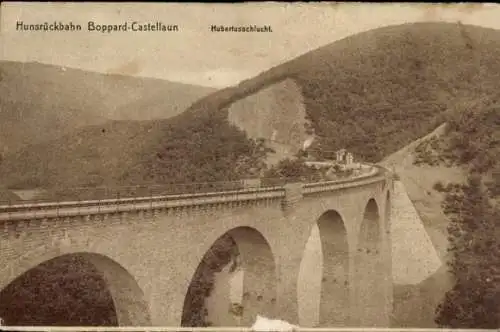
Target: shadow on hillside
column 7, row 196
column 415, row 305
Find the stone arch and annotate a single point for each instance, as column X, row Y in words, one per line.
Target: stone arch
column 235, row 281
column 127, row 297
column 370, row 273
column 369, row 238
column 325, row 290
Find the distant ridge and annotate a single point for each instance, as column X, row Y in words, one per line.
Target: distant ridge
column 41, row 102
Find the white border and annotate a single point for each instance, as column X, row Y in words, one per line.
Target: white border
column 222, row 329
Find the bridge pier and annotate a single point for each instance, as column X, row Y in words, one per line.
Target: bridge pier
column 335, row 282
column 259, row 276
column 372, row 274
column 387, row 254
column 287, row 300
column 167, row 294
column 130, row 307
column 289, row 257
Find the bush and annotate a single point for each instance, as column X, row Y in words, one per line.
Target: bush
column 474, row 301
column 195, row 312
column 438, row 186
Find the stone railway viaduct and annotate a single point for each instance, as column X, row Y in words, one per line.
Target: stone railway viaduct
column 148, row 249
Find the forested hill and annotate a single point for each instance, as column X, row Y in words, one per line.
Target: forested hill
column 377, row 91
column 185, row 148
column 372, row 93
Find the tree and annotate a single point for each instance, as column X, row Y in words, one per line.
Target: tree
column 222, row 252
column 65, row 291
column 474, row 301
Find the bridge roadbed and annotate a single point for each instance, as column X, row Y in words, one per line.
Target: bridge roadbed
column 106, row 206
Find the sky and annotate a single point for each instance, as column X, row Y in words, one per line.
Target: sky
column 196, row 55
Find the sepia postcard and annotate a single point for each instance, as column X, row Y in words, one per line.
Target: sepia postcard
column 249, row 166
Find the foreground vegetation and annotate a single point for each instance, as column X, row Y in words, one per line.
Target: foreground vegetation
column 471, row 141
column 222, row 252
column 67, row 291
column 474, row 300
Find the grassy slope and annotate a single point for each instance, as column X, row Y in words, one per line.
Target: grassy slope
column 41, row 102
column 419, row 180
column 8, row 196
column 415, row 304
column 79, row 158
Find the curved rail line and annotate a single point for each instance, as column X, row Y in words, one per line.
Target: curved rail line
column 116, row 205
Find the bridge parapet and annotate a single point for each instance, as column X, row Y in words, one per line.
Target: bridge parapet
column 82, row 208
column 289, row 194
column 318, row 187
